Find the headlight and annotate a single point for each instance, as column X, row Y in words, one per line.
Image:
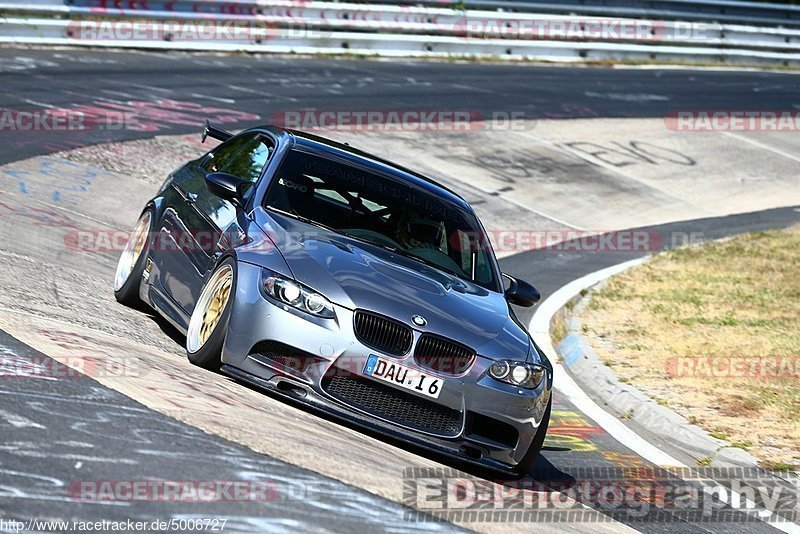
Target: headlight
column 520, row 374
column 296, row 295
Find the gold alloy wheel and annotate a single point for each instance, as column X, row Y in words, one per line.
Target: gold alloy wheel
column 132, row 251
column 209, row 309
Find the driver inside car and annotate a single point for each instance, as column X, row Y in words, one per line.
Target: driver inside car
column 414, row 231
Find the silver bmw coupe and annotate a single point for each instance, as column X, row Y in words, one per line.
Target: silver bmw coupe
column 349, row 284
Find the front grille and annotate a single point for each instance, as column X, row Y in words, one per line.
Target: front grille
column 383, row 334
column 443, row 355
column 394, row 405
column 283, row 356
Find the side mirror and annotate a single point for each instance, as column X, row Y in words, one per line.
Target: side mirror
column 521, row 293
column 226, row 186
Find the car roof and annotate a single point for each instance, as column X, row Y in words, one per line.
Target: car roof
column 323, row 145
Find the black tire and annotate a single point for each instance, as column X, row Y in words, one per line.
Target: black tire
column 209, row 355
column 128, row 293
column 526, row 464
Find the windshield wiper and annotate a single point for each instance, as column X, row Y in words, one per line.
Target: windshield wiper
column 326, row 227
column 363, row 239
column 303, row 219
column 330, row 228
column 427, row 262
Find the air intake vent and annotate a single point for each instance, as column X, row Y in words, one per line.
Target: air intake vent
column 282, row 356
column 392, row 404
column 442, row 355
column 383, row 334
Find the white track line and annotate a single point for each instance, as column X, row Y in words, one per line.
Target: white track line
column 763, row 146
column 540, row 330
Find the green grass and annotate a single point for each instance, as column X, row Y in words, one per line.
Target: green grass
column 558, row 328
column 732, row 299
column 781, row 467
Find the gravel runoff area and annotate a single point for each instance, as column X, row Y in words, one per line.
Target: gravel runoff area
column 147, row 159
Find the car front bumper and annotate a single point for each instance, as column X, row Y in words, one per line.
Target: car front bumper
column 489, row 423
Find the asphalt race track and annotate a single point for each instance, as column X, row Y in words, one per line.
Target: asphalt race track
column 78, row 413
column 323, row 477
column 36, row 78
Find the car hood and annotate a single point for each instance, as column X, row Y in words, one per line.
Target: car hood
column 358, row 275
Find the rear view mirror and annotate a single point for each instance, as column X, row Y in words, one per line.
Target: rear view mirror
column 226, row 186
column 521, row 293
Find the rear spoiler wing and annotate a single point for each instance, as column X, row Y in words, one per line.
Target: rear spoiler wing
column 216, row 133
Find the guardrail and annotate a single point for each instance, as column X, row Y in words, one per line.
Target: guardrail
column 753, row 13
column 721, row 11
column 291, row 26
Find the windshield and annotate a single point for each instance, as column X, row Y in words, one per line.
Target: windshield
column 387, row 213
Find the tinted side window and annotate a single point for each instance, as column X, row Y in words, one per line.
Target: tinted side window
column 250, row 160
column 244, row 157
column 222, row 155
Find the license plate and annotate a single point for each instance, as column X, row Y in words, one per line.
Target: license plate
column 405, row 377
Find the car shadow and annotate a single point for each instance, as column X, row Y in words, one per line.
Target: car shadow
column 167, row 328
column 545, row 447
